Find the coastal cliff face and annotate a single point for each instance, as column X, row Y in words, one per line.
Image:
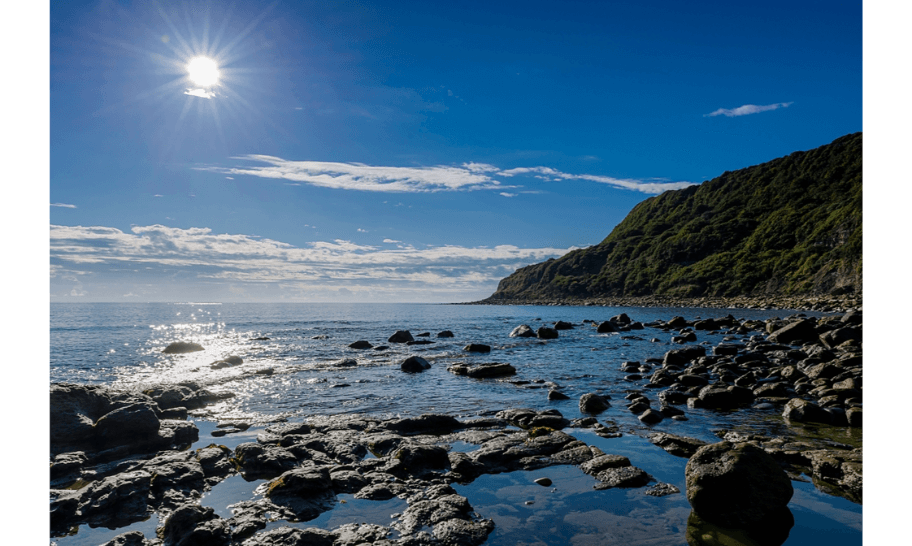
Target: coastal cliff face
column 791, row 226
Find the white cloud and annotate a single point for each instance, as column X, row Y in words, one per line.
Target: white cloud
column 362, row 230
column 466, row 177
column 195, row 257
column 64, row 205
column 391, row 241
column 553, row 175
column 357, row 176
column 202, row 93
column 747, row 109
column 506, row 194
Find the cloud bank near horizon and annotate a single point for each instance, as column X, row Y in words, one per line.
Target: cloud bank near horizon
column 156, row 261
column 747, row 109
column 465, row 177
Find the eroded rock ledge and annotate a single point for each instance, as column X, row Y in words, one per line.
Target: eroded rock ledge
column 306, row 465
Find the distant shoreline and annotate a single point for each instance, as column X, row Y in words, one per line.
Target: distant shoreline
column 824, row 303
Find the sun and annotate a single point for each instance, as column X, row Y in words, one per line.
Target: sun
column 203, row 71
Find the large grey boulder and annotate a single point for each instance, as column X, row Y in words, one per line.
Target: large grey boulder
column 799, row 330
column 523, row 330
column 593, row 403
column 736, row 485
column 136, row 423
column 803, row 411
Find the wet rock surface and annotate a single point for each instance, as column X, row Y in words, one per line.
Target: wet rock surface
column 117, row 457
column 736, row 484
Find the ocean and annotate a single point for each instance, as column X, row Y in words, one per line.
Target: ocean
column 292, row 369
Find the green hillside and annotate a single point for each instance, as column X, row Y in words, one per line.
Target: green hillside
column 791, row 226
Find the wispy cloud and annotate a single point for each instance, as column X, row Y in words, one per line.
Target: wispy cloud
column 465, row 177
column 147, row 254
column 390, row 241
column 747, row 109
column 507, row 194
column 64, row 205
column 553, row 175
column 357, row 176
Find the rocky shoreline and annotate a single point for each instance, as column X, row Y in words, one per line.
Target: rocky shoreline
column 118, row 457
column 821, row 303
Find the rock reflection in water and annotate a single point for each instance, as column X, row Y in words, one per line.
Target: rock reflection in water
column 772, row 532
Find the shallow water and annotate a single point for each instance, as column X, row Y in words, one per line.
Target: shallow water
column 121, row 345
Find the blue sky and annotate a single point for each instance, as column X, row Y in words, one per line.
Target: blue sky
column 407, row 151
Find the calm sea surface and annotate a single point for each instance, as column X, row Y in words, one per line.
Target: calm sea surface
column 121, row 345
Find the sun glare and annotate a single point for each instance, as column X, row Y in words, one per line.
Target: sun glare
column 203, row 71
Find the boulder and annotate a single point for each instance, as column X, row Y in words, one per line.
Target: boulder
column 523, row 330
column 606, row 327
column 546, row 333
column 561, row 325
column 445, row 333
column 415, row 364
column 426, row 423
column 727, row 349
column 803, row 411
column 491, row 369
column 136, row 423
column 477, row 348
column 192, row 525
column 837, row 337
column 620, row 319
column 680, row 357
column 132, row 538
column 413, row 457
column 722, row 396
column 793, row 332
column 289, row 536
column 651, row 417
column 853, row 416
column 401, row 336
column 181, row 347
column 736, row 485
column 593, row 403
column 679, row 446
column 361, row 344
column 557, row 395
column 308, row 481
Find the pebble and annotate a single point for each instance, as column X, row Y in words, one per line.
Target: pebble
column 544, row 482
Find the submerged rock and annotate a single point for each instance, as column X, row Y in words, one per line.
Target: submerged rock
column 680, row 446
column 490, row 369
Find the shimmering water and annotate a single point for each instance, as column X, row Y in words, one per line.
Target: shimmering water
column 121, row 345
